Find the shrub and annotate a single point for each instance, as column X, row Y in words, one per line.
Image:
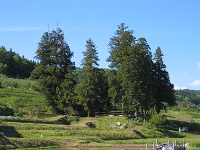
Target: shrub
column 5, row 110
column 158, row 121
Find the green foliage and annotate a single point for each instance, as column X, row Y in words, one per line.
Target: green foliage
column 15, row 83
column 5, row 110
column 23, row 101
column 73, row 119
column 114, row 89
column 65, row 93
column 54, row 70
column 191, row 125
column 136, row 81
column 153, row 134
column 158, row 121
column 63, row 121
column 13, row 65
column 163, row 89
column 186, row 97
column 34, row 143
column 88, row 90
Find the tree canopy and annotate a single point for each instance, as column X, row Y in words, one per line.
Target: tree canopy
column 135, row 72
column 92, row 87
column 136, row 80
column 13, row 65
column 54, row 70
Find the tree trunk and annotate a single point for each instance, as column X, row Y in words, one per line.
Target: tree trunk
column 89, row 113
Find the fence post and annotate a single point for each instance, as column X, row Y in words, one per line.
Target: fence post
column 153, row 146
column 146, row 146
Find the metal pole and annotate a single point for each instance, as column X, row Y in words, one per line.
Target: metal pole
column 146, row 146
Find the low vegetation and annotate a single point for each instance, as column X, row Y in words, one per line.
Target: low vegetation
column 96, row 131
column 38, row 127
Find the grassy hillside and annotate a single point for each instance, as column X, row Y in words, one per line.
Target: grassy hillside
column 39, row 128
column 15, row 83
column 100, row 132
column 18, row 96
column 23, row 101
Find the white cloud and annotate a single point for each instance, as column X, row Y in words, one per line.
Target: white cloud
column 195, row 83
column 179, row 88
column 198, row 64
column 21, row 29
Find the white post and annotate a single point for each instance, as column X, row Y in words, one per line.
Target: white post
column 173, row 146
column 153, row 146
column 179, row 129
column 146, row 146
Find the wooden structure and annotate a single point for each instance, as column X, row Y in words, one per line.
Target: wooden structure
column 111, row 113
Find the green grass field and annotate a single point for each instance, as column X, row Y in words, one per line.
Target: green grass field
column 37, row 130
column 101, row 134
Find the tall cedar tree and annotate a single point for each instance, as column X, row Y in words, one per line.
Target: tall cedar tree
column 114, row 90
column 119, row 45
column 142, row 75
column 131, row 68
column 163, row 89
column 54, row 70
column 102, row 86
column 87, row 90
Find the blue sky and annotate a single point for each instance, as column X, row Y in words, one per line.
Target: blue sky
column 172, row 25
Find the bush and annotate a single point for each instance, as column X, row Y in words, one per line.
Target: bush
column 5, row 110
column 158, row 121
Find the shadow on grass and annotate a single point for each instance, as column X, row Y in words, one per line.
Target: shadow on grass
column 90, row 124
column 9, row 131
column 5, row 142
column 173, row 134
column 175, row 124
column 140, row 134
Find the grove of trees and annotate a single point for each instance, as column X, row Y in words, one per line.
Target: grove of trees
column 13, row 65
column 136, row 79
column 142, row 81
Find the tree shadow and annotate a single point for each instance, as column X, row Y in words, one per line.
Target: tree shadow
column 5, row 143
column 175, row 124
column 140, row 134
column 172, row 134
column 9, row 131
column 90, row 124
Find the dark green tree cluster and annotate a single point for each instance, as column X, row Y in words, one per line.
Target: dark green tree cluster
column 188, row 96
column 135, row 81
column 92, row 89
column 13, row 65
column 54, row 71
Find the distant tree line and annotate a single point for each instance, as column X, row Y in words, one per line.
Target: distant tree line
column 15, row 66
column 136, row 79
column 188, row 96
